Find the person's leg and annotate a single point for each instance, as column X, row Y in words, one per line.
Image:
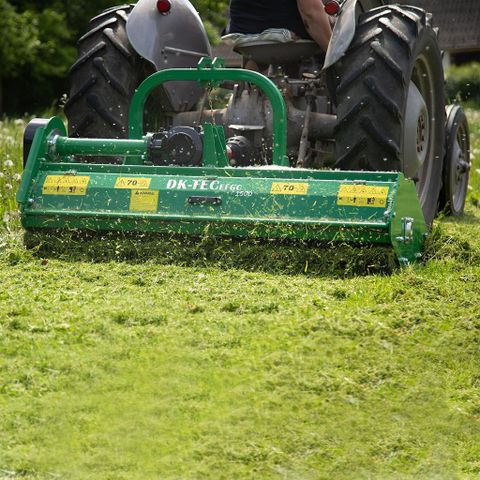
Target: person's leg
column 316, row 21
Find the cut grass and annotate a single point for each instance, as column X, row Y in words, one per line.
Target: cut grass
column 174, row 366
column 270, row 256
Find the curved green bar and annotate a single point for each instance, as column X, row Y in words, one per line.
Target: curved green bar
column 216, row 74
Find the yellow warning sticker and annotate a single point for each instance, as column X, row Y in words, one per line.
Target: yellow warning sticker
column 127, row 183
column 65, row 185
column 144, row 201
column 282, row 188
column 362, row 196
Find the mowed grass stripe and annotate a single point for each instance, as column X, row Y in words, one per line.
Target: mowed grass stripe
column 123, row 369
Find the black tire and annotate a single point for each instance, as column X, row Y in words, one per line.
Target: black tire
column 104, row 78
column 393, row 48
column 456, row 167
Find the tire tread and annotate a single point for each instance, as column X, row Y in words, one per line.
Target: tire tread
column 371, row 89
column 103, row 79
column 107, row 23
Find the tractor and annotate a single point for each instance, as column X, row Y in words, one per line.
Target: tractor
column 355, row 144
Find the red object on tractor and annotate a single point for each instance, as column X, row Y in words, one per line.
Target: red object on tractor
column 164, row 6
column 332, row 7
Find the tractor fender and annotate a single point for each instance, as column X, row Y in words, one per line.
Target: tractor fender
column 176, row 39
column 343, row 33
column 345, row 27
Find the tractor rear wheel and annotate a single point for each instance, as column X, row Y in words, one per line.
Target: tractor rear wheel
column 104, row 78
column 390, row 100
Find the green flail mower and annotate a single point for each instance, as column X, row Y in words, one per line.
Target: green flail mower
column 350, row 145
column 149, row 192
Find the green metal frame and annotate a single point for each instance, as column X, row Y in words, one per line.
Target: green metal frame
column 277, row 201
column 209, row 72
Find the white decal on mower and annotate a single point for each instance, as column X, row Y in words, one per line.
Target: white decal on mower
column 203, row 185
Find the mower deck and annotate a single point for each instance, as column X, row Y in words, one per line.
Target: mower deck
column 272, row 201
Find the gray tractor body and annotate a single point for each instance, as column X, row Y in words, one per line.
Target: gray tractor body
column 174, row 40
column 178, row 40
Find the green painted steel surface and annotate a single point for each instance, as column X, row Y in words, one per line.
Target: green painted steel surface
column 191, row 200
column 92, row 146
column 274, row 201
column 214, row 146
column 211, row 72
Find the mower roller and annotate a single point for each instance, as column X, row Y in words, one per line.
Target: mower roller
column 344, row 146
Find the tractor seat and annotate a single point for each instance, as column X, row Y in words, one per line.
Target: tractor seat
column 273, row 46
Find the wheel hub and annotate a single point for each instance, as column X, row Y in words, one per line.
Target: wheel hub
column 417, row 133
column 461, row 166
column 421, row 134
column 459, row 173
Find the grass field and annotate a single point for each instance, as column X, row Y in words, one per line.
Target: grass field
column 128, row 369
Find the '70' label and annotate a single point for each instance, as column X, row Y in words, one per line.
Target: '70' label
column 133, row 183
column 289, row 188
